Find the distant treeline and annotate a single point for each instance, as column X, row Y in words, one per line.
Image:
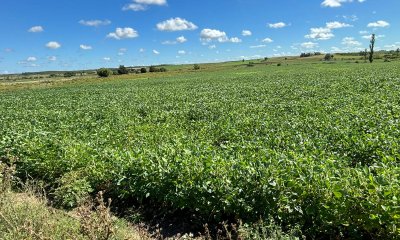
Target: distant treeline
column 310, row 54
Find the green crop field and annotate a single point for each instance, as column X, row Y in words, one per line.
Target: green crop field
column 310, row 145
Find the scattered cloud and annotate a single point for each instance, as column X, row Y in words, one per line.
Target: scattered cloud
column 246, row 33
column 336, row 49
column 53, row 45
column 176, row 24
column 351, row 18
column 107, row 59
column 267, row 40
column 95, row 23
column 85, row 47
column 277, row 25
column 36, row 29
column 337, row 3
column 152, row 2
column 212, row 46
column 123, row 33
column 320, row 34
column 336, row 24
column 31, row 59
column 208, row 35
column 259, row 46
column 379, row 23
column 52, row 58
column 156, row 52
column 8, row 50
column 181, row 52
column 235, row 40
column 134, row 7
column 309, row 45
column 376, row 36
column 142, row 5
column 169, row 42
column 181, row 39
column 394, row 46
column 212, row 34
column 350, row 42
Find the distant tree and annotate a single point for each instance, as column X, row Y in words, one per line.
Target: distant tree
column 104, row 72
column 69, row 74
column 328, row 57
column 53, row 75
column 122, row 70
column 163, row 69
column 302, row 55
column 265, row 59
column 365, row 54
column 196, row 67
column 371, row 48
column 152, row 69
column 398, row 52
column 143, row 70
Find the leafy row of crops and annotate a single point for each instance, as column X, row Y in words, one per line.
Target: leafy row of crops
column 314, row 146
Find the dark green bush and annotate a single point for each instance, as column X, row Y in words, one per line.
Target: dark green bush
column 104, row 72
column 69, row 74
column 122, row 70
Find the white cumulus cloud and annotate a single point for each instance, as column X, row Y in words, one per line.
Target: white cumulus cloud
column 85, row 47
column 123, row 33
column 181, row 39
column 277, row 25
column 182, row 52
column 379, row 23
column 31, row 59
column 208, row 35
column 235, row 40
column 336, row 24
column 176, row 24
column 36, row 29
column 151, row 2
column 350, row 41
column 212, row 34
column 134, row 7
column 95, row 23
column 142, row 5
column 267, row 40
column 53, row 45
column 246, row 33
column 309, row 45
column 156, row 52
column 320, row 34
column 337, row 3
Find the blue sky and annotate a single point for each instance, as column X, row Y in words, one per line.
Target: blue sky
column 82, row 34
